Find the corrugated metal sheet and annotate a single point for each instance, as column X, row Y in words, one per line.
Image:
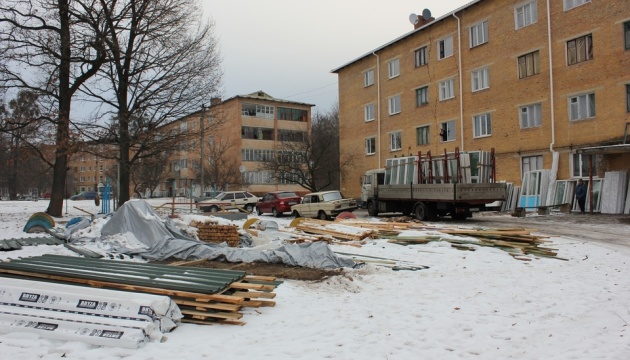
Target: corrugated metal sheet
column 199, row 280
column 16, row 244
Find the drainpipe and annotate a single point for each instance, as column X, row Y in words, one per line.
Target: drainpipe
column 378, row 107
column 555, row 156
column 461, row 99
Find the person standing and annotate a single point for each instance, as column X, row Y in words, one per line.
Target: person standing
column 580, row 194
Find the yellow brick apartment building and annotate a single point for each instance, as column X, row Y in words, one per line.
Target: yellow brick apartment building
column 546, row 83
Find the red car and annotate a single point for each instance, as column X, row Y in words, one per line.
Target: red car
column 277, row 202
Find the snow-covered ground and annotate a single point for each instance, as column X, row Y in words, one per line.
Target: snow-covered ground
column 482, row 305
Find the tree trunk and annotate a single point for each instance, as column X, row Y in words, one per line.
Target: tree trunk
column 55, row 207
column 125, row 174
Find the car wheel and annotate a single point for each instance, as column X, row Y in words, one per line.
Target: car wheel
column 258, row 211
column 322, row 215
column 276, row 213
column 296, row 214
column 249, row 208
column 214, row 209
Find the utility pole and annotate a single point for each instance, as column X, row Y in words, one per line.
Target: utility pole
column 201, row 143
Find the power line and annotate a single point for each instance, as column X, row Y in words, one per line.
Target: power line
column 305, row 92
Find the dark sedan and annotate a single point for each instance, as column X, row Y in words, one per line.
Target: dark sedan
column 277, row 202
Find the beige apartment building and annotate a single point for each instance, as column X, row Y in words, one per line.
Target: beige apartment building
column 239, row 133
column 546, row 83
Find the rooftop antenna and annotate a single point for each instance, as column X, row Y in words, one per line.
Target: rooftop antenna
column 426, row 14
column 413, row 18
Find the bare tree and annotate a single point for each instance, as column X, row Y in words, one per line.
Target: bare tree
column 147, row 173
column 164, row 63
column 51, row 48
column 218, row 166
column 312, row 161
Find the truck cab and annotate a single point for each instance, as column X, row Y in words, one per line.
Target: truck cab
column 369, row 184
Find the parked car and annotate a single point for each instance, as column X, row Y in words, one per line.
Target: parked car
column 323, row 205
column 277, row 202
column 229, row 200
column 86, row 195
column 46, row 195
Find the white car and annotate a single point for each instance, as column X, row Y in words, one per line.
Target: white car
column 323, row 205
column 229, row 200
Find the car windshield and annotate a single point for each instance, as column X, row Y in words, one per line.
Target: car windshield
column 220, row 196
column 332, row 196
column 285, row 195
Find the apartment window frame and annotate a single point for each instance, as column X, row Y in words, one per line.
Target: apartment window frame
column 528, row 64
column 480, row 79
column 525, row 14
column 626, row 35
column 370, row 145
column 368, row 78
column 421, row 56
column 423, row 135
column 478, row 34
column 446, row 89
column 445, row 47
column 530, row 116
column 393, row 68
column 369, row 112
column 582, row 107
column 572, row 4
column 394, row 105
column 531, row 163
column 628, row 98
column 580, row 164
column 451, row 130
column 395, row 140
column 575, row 54
column 422, row 96
column 482, row 125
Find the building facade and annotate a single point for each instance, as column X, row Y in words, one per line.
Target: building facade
column 544, row 83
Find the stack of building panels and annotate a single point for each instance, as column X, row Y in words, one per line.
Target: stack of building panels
column 596, row 188
column 534, row 190
column 94, row 316
column 511, row 197
column 204, row 295
column 614, row 192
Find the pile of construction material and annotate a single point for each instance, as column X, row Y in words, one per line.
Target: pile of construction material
column 211, row 231
column 205, row 296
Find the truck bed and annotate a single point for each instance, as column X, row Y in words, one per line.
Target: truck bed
column 473, row 193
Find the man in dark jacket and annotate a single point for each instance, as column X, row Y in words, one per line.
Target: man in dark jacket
column 580, row 194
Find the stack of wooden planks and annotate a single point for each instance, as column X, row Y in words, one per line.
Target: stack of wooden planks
column 212, row 232
column 337, row 230
column 517, row 242
column 205, row 296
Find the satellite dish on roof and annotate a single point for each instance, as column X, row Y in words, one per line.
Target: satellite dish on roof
column 426, row 14
column 413, row 18
column 242, row 168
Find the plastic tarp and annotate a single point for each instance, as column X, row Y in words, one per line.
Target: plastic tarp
column 95, row 316
column 162, row 239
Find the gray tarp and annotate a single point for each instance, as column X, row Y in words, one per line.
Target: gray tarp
column 164, row 240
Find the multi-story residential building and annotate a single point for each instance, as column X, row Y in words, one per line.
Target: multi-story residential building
column 86, row 171
column 240, row 132
column 546, row 83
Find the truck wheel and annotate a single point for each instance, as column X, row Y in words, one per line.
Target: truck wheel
column 421, row 212
column 371, row 209
column 322, row 215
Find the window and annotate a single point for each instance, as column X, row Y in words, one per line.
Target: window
column 628, row 98
column 393, row 68
column 480, row 79
column 420, row 56
column 570, row 4
column 368, row 78
column 626, row 35
column 292, row 114
column 580, row 49
column 482, row 125
column 447, row 130
column 445, row 48
column 369, row 113
column 395, row 141
column 528, row 65
column 422, row 96
column 183, row 126
column 257, row 154
column 531, row 116
column 422, row 135
column 291, row 135
column 370, row 146
column 256, row 133
column 525, row 14
column 581, row 164
column 531, row 163
column 394, row 105
column 447, row 90
column 479, row 34
column 582, row 107
column 257, row 110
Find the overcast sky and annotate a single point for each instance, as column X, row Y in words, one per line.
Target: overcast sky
column 287, row 48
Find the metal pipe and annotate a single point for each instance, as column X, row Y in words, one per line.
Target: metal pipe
column 461, row 98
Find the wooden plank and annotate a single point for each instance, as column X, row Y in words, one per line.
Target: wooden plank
column 218, row 315
column 207, row 305
column 212, row 322
column 188, row 263
column 260, row 278
column 260, row 287
column 254, row 294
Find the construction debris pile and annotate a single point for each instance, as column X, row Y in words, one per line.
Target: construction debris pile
column 211, row 232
